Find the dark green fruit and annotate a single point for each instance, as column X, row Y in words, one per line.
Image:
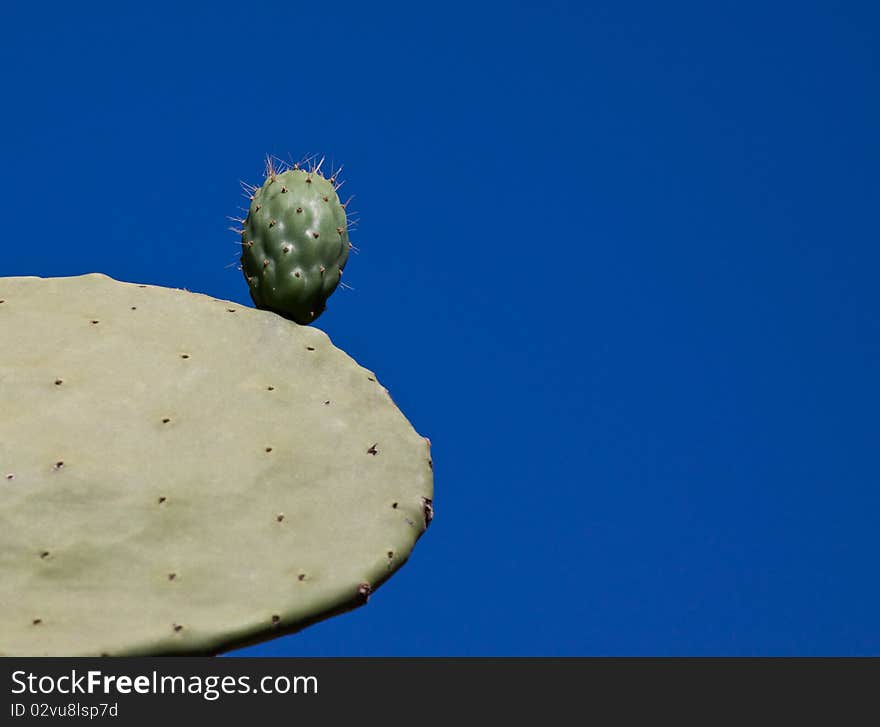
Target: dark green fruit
column 294, row 243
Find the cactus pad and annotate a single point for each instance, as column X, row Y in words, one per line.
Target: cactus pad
column 184, row 475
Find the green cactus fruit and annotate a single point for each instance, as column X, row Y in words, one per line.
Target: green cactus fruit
column 294, row 242
column 184, row 475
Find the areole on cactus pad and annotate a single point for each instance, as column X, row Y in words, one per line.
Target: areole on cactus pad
column 182, row 475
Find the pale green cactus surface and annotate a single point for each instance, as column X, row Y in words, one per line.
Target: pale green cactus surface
column 184, row 475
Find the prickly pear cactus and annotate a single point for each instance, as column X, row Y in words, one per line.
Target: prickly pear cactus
column 294, row 242
column 184, row 475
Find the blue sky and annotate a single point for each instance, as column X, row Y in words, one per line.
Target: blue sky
column 618, row 261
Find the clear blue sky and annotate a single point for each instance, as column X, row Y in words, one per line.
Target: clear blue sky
column 618, row 261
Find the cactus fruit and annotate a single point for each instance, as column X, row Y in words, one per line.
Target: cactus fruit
column 184, row 475
column 294, row 242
